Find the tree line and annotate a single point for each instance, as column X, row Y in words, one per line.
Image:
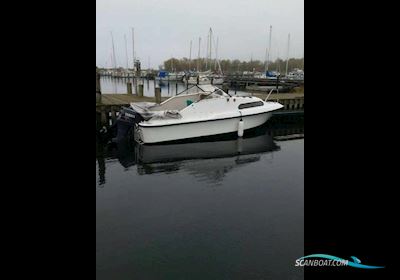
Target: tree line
column 230, row 66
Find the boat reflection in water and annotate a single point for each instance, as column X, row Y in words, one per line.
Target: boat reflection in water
column 209, row 159
column 206, row 161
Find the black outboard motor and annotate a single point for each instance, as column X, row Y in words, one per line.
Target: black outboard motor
column 126, row 121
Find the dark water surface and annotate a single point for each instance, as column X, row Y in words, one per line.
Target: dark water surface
column 228, row 209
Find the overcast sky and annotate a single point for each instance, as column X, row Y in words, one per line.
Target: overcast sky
column 164, row 28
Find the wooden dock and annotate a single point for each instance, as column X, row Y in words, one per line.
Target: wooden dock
column 243, row 82
column 290, row 101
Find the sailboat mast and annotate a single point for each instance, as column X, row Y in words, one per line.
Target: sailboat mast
column 126, row 52
column 190, row 54
column 113, row 49
column 287, row 55
column 210, row 46
column 278, row 62
column 216, row 55
column 208, row 43
column 198, row 56
column 269, row 47
column 133, row 47
column 266, row 57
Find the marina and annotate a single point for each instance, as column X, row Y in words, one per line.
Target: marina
column 199, row 140
column 109, row 104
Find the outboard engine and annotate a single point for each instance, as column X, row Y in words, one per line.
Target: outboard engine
column 126, row 121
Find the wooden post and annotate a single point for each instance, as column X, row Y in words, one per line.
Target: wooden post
column 140, row 91
column 176, row 88
column 113, row 115
column 277, row 84
column 129, row 87
column 103, row 119
column 157, row 94
column 98, row 120
column 98, row 89
column 137, row 78
column 235, row 87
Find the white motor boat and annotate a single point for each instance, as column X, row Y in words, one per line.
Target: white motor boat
column 202, row 110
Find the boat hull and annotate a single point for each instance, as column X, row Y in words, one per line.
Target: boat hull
column 157, row 134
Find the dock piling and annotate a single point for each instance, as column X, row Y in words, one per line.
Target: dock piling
column 140, row 91
column 277, row 84
column 235, row 87
column 103, row 119
column 129, row 87
column 113, row 114
column 157, row 94
column 98, row 89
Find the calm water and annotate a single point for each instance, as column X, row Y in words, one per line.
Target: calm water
column 227, row 209
column 112, row 85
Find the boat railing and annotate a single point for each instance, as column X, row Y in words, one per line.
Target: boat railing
column 268, row 95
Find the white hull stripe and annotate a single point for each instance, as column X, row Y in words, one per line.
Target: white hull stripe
column 209, row 120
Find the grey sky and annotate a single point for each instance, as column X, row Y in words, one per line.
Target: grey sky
column 165, row 28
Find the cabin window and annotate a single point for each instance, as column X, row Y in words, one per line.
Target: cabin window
column 251, row 105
